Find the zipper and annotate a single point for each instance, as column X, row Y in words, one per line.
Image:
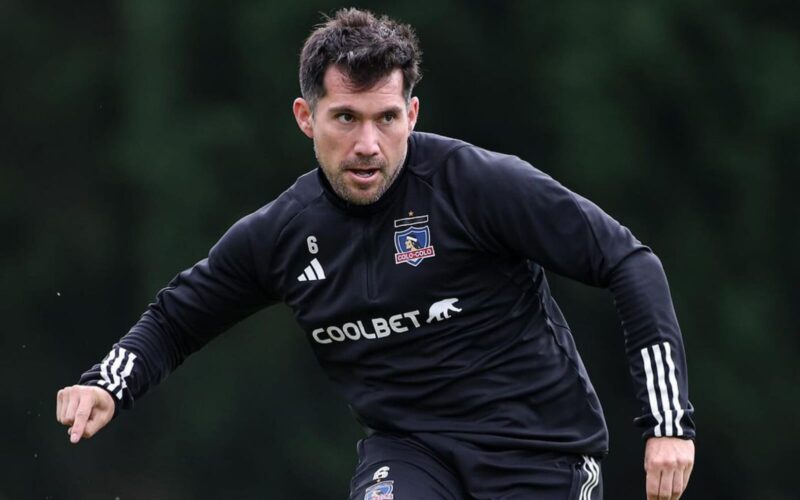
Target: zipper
column 367, row 242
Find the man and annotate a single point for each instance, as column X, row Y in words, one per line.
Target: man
column 415, row 264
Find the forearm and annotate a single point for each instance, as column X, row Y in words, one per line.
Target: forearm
column 150, row 351
column 654, row 345
column 196, row 306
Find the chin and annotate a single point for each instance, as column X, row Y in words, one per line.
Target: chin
column 362, row 197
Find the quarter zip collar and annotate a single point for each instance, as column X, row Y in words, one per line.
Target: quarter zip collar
column 382, row 203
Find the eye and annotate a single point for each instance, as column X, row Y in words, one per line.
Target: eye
column 344, row 118
column 388, row 117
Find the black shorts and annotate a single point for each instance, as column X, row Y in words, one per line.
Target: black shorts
column 436, row 467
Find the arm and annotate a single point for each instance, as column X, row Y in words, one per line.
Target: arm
column 196, row 306
column 513, row 208
column 669, row 452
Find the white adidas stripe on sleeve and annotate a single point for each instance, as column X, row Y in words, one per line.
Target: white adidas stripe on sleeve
column 674, row 383
column 127, row 371
column 115, row 370
column 662, row 386
column 651, row 392
column 104, row 368
column 666, row 380
column 112, row 379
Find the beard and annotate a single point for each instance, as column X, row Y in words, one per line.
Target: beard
column 337, row 177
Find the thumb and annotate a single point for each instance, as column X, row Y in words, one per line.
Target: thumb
column 101, row 415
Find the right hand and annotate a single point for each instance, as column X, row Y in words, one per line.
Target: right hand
column 85, row 409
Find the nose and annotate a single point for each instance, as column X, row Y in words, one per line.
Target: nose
column 367, row 140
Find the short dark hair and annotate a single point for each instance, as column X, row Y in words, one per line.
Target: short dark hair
column 365, row 47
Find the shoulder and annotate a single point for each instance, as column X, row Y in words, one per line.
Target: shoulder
column 427, row 151
column 266, row 224
column 452, row 162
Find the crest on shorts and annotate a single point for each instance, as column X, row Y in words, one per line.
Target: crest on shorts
column 380, row 491
column 412, row 241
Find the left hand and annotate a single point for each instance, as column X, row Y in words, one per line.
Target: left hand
column 668, row 463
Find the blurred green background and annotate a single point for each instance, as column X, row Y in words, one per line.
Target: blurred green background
column 134, row 133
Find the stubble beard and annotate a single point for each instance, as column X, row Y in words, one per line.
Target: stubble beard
column 337, row 177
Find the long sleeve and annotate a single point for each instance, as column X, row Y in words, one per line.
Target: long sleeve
column 197, row 305
column 515, row 210
column 654, row 346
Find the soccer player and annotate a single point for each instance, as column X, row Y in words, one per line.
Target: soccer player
column 415, row 264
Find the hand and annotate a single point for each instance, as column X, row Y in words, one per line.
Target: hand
column 668, row 462
column 86, row 409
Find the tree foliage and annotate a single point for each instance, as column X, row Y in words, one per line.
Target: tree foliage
column 135, row 133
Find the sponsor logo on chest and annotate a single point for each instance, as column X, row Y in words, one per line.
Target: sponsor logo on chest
column 377, row 328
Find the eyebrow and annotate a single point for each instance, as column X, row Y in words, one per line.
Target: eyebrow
column 347, row 109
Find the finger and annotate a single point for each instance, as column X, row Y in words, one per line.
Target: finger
column 652, row 482
column 62, row 406
column 665, row 485
column 68, row 418
column 686, row 473
column 677, row 484
column 59, row 397
column 82, row 415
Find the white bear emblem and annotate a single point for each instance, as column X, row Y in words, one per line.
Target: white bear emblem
column 441, row 310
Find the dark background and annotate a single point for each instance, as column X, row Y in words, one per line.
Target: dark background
column 134, row 133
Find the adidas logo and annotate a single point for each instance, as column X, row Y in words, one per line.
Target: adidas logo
column 312, row 272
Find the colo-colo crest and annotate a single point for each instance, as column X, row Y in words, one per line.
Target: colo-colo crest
column 412, row 240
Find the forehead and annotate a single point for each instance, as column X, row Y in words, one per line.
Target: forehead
column 339, row 90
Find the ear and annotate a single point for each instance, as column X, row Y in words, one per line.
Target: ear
column 413, row 112
column 303, row 116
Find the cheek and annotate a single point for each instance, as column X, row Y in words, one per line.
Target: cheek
column 326, row 148
column 398, row 142
column 333, row 144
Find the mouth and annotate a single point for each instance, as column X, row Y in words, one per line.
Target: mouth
column 363, row 175
column 364, row 172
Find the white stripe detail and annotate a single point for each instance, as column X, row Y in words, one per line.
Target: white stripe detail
column 676, row 403
column 596, row 467
column 115, row 369
column 651, row 391
column 312, row 272
column 318, row 269
column 592, row 479
column 582, row 495
column 127, row 371
column 410, row 221
column 662, row 385
column 104, row 368
column 111, row 377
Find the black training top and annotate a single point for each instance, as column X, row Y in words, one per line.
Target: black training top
column 430, row 309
